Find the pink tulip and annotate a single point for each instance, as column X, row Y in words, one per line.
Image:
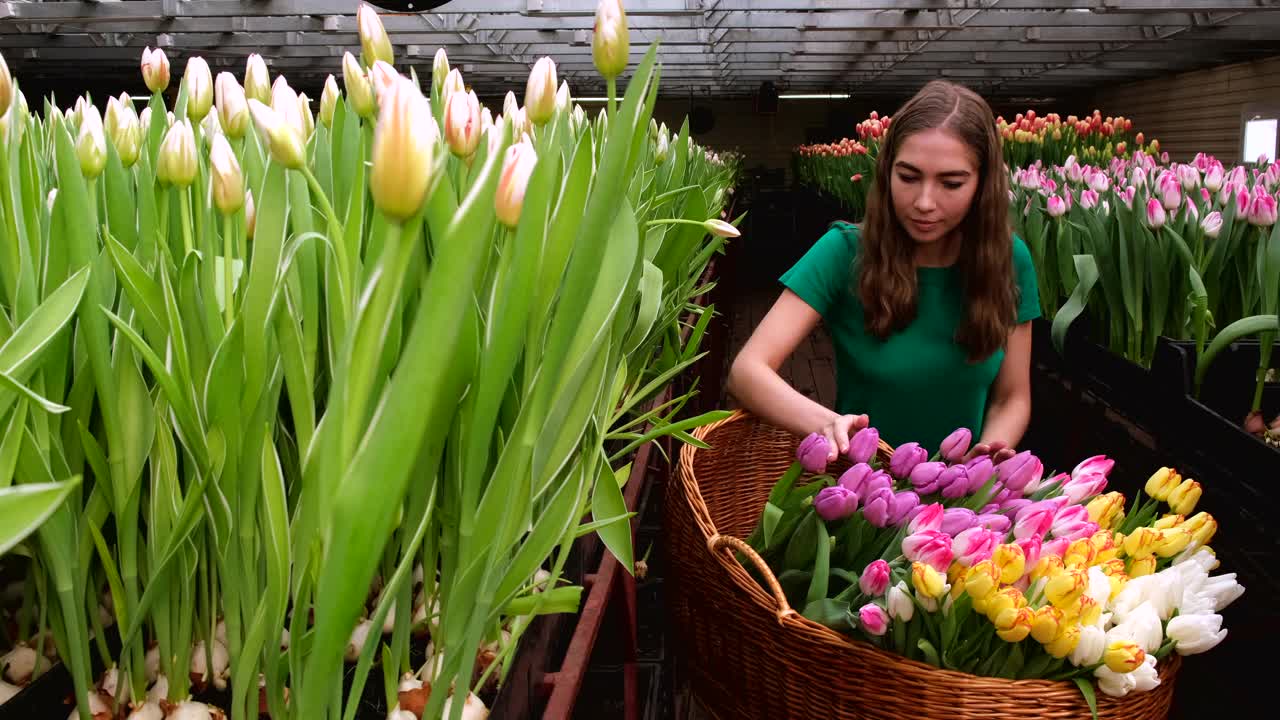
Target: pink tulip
column 1056, row 206
column 855, row 478
column 1262, row 210
column 1084, row 530
column 906, row 458
column 1034, row 520
column 1032, row 548
column 814, row 453
column 878, row 506
column 1088, row 199
column 1206, row 197
column 1099, row 182
column 864, row 444
column 875, row 579
column 926, row 518
column 924, row 477
column 873, row 619
column 1126, row 196
column 995, row 521
column 903, row 505
column 1020, row 471
column 1139, row 177
column 1212, row 224
column 1075, row 173
column 1082, row 487
column 1069, row 519
column 1213, row 177
column 835, row 503
column 957, row 520
column 974, row 545
column 956, row 444
column 1189, row 177
column 979, row 470
column 1155, row 214
column 931, row 547
column 1056, row 547
column 1011, row 508
column 1242, row 202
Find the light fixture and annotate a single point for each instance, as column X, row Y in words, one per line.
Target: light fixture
column 815, row 96
column 591, row 99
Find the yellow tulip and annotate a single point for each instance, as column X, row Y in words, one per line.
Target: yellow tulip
column 257, row 79
column 1173, row 542
column 1066, row 587
column 1123, row 656
column 1106, row 509
column 1206, row 532
column 1086, row 609
column 1163, row 482
column 1195, row 522
column 981, row 580
column 1139, row 567
column 199, row 84
column 1080, row 553
column 927, row 581
column 375, row 45
column 1003, row 599
column 1183, row 499
column 1048, row 566
column 1142, row 542
column 610, row 42
column 359, row 89
column 1014, row 625
column 1065, row 642
column 1047, row 624
column 404, row 151
column 91, row 143
column 1169, row 521
column 1010, row 561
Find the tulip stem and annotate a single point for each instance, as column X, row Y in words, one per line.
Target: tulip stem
column 184, row 201
column 335, row 231
column 227, row 291
column 613, row 94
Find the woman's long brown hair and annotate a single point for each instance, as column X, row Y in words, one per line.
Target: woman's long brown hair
column 885, row 268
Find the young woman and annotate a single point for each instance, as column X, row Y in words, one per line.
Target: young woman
column 928, row 302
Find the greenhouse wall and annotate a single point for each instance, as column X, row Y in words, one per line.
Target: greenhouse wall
column 1203, row 111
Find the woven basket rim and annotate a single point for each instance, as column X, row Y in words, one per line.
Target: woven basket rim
column 793, row 620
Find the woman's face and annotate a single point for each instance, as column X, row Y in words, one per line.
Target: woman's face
column 934, row 180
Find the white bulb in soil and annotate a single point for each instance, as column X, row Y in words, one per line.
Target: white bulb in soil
column 417, row 575
column 159, row 691
column 20, row 664
column 191, row 710
column 389, row 624
column 220, row 632
column 356, row 644
column 221, row 661
column 98, row 708
column 149, row 711
column 7, row 691
column 110, row 682
column 106, row 616
column 284, row 639
column 472, row 708
column 153, row 663
column 408, row 682
column 540, row 580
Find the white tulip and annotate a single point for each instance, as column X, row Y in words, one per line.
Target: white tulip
column 1113, row 683
column 1093, row 642
column 899, row 602
column 1099, row 586
column 1142, row 626
column 1146, row 677
column 1192, row 634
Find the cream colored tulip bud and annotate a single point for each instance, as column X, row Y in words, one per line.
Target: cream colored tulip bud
column 225, row 177
column 452, row 83
column 329, row 101
column 359, row 88
column 610, row 41
column 250, row 214
column 51, row 198
column 6, row 86
column 509, row 104
column 384, row 79
column 257, row 80
column 285, row 102
column 404, row 151
column 155, row 70
column 519, row 122
column 177, row 163
column 579, row 115
column 462, row 123
column 375, row 45
column 540, row 91
column 486, row 120
column 564, row 100
column 144, row 119
column 517, row 168
column 211, row 126
column 199, row 84
column 91, row 143
column 283, row 140
column 125, row 130
column 308, row 119
column 439, row 70
column 233, row 106
column 721, row 228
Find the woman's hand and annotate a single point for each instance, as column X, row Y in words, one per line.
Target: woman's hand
column 838, row 430
column 999, row 451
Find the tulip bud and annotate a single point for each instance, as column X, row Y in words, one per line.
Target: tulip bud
column 928, row 582
column 359, row 89
column 404, row 151
column 835, row 503
column 125, row 131
column 874, row 579
column 956, row 445
column 177, row 163
column 452, row 83
column 564, row 100
column 1142, row 542
column 517, row 168
column 250, row 214
column 199, row 83
column 304, row 112
column 155, row 70
column 462, row 123
column 540, row 91
column 375, row 45
column 899, row 603
column 439, row 70
column 91, row 143
column 1263, row 209
column 383, row 77
column 1162, row 482
column 1155, row 214
column 1010, row 561
column 329, row 101
column 1105, row 510
column 864, row 445
column 1183, row 499
column 283, row 140
column 1056, row 206
column 1123, row 656
column 873, row 619
column 1205, row 533
column 610, row 41
column 720, row 228
column 257, row 79
column 233, row 106
column 1014, row 624
column 1066, row 587
column 6, row 86
column 225, row 177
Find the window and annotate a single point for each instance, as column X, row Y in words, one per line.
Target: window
column 1259, row 138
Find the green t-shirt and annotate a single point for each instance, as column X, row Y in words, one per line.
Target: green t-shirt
column 917, row 385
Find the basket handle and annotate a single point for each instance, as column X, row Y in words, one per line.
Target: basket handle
column 719, row 542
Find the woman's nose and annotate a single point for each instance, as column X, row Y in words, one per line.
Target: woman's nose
column 924, row 200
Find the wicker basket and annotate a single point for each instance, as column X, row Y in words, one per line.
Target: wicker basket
column 749, row 655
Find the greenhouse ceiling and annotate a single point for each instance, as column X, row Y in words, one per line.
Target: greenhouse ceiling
column 721, row 47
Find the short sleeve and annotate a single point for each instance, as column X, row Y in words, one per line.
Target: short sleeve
column 1028, row 286
column 822, row 277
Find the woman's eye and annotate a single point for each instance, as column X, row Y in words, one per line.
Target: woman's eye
column 908, row 178
column 952, row 185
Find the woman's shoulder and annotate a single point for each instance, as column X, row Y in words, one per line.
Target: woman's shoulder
column 1021, row 254
column 846, row 234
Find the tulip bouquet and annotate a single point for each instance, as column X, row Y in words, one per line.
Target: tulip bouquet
column 1050, row 140
column 992, row 568
column 1179, row 250
column 287, row 395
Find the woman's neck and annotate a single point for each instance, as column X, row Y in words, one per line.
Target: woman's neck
column 939, row 254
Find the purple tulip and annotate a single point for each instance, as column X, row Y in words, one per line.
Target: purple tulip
column 814, row 453
column 835, row 503
column 924, row 477
column 874, row 620
column 954, row 482
column 875, row 579
column 906, row 458
column 855, row 478
column 878, row 506
column 956, row 445
column 1003, row 495
column 864, row 445
column 1021, row 470
column 903, row 504
column 1011, row 508
column 926, row 517
column 957, row 520
column 979, row 471
column 876, row 481
column 989, row 508
column 995, row 522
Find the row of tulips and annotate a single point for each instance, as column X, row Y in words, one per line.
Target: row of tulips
column 1187, row 251
column 841, row 170
column 289, row 391
column 996, row 569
